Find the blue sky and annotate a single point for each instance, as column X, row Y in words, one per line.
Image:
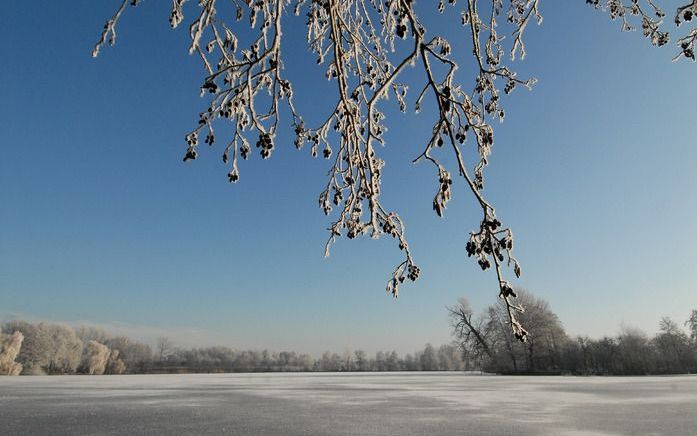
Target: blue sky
column 101, row 222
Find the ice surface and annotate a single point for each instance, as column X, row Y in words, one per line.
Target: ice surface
column 348, row 403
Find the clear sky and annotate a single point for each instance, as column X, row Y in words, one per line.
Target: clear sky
column 101, row 222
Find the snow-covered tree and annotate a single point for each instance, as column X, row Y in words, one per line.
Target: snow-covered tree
column 10, row 344
column 96, row 358
column 115, row 365
column 47, row 348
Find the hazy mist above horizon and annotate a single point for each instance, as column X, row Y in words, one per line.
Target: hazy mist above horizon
column 102, row 223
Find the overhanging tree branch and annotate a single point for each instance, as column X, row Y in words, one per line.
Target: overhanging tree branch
column 358, row 42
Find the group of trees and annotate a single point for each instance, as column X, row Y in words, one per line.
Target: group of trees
column 486, row 344
column 222, row 359
column 27, row 348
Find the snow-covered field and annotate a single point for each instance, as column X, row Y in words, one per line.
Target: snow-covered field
column 353, row 403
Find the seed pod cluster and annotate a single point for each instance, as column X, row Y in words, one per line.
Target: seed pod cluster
column 265, row 143
column 210, row 86
column 354, row 227
column 461, row 134
column 414, row 272
column 192, row 142
column 177, row 15
column 688, row 49
column 491, row 241
column 233, row 176
column 190, row 154
column 324, row 203
column 444, row 193
column 507, row 290
column 510, row 86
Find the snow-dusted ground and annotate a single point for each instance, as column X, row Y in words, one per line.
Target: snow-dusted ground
column 353, row 403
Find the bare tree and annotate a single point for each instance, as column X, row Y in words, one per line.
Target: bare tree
column 449, row 358
column 348, row 363
column 361, row 360
column 392, row 361
column 673, row 348
column 164, row 347
column 359, row 43
column 691, row 324
column 468, row 331
column 634, row 351
column 429, row 362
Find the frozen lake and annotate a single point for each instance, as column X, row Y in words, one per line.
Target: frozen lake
column 348, row 403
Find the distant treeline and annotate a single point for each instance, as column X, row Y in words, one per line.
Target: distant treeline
column 483, row 342
column 487, row 344
column 223, row 359
column 41, row 348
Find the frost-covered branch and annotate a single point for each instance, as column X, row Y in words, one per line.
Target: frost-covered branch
column 651, row 16
column 358, row 44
